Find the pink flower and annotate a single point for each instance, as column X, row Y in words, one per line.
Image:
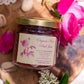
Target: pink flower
column 25, row 43
column 64, row 5
column 72, row 20
column 6, row 41
column 69, row 29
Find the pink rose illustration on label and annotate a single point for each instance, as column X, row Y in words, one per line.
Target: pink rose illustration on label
column 28, row 51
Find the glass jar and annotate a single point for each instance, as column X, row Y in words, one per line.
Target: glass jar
column 35, row 44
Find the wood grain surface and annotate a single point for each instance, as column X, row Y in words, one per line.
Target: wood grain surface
column 70, row 57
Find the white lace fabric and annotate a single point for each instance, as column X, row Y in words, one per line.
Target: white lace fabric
column 7, row 2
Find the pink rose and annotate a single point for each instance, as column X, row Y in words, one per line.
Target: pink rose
column 72, row 20
column 6, row 41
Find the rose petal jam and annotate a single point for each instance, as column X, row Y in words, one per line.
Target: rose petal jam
column 35, row 44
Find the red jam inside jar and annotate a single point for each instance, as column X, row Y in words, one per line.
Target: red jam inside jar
column 35, row 45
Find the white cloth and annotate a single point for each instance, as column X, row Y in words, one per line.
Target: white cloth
column 7, row 2
column 1, row 81
column 79, row 79
column 81, row 2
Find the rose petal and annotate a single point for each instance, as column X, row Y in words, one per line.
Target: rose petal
column 57, row 33
column 69, row 24
column 69, row 28
column 80, row 26
column 63, row 41
column 7, row 41
column 81, row 21
column 77, row 10
column 64, row 5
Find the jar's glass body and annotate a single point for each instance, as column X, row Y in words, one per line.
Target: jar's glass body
column 35, row 47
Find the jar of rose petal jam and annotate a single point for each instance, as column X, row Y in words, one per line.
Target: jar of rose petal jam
column 35, row 44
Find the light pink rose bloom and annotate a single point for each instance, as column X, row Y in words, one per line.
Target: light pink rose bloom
column 6, row 41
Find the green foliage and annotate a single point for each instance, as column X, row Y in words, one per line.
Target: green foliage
column 57, row 13
column 6, row 82
column 65, row 78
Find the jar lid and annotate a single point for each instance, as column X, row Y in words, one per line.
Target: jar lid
column 8, row 66
column 35, row 22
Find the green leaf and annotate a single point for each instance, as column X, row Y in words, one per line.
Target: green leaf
column 65, row 78
column 6, row 82
column 57, row 13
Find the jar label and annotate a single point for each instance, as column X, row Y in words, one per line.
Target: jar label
column 36, row 49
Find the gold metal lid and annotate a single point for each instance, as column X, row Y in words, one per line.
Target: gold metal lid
column 35, row 22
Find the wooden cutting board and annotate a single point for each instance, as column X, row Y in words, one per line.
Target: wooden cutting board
column 70, row 57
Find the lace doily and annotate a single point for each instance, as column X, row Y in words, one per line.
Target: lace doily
column 7, row 2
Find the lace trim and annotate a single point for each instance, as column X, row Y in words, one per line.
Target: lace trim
column 7, row 2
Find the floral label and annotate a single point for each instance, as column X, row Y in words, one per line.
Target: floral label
column 36, row 49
